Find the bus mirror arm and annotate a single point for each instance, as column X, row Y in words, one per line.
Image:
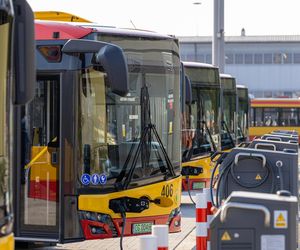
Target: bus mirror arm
column 109, row 56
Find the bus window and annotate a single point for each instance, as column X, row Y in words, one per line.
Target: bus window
column 258, row 117
column 288, row 117
column 271, row 116
column 40, row 146
column 110, row 126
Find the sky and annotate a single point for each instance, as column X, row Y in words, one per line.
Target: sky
column 183, row 17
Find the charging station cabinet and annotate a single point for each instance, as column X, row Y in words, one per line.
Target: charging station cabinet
column 257, row 170
column 286, row 132
column 278, row 137
column 274, row 145
column 256, row 221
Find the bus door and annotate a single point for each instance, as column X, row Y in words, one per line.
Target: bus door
column 38, row 184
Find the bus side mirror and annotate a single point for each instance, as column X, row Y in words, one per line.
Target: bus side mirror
column 188, row 91
column 112, row 59
column 108, row 56
column 24, row 53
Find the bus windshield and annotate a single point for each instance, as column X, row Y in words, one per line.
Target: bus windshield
column 228, row 112
column 4, row 137
column 204, row 109
column 110, row 127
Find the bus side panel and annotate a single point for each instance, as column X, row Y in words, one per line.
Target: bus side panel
column 202, row 180
column 7, row 242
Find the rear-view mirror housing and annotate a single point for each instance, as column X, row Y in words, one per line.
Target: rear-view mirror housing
column 109, row 56
column 24, row 53
column 112, row 59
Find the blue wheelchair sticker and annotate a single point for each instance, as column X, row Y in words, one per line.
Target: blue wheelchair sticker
column 95, row 179
column 103, row 179
column 86, row 179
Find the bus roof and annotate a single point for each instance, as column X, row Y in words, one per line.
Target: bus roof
column 275, row 102
column 49, row 30
column 45, row 30
column 226, row 76
column 126, row 31
column 58, row 16
column 198, row 65
column 240, row 86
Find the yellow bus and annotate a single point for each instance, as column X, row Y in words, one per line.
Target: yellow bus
column 228, row 111
column 270, row 114
column 101, row 139
column 17, row 75
column 202, row 120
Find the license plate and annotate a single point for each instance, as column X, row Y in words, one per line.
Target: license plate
column 142, row 228
column 198, row 185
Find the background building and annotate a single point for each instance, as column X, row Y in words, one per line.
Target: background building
column 268, row 65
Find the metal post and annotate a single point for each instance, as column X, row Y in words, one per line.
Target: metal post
column 218, row 55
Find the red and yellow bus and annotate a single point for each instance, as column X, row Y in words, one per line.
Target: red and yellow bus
column 17, row 74
column 202, row 125
column 100, row 147
column 269, row 114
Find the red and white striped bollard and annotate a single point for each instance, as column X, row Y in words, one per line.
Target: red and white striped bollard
column 209, row 214
column 148, row 242
column 162, row 234
column 201, row 221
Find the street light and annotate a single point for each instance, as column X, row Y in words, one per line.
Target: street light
column 197, row 25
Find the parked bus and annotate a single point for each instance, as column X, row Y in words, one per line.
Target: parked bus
column 269, row 114
column 243, row 113
column 16, row 87
column 228, row 111
column 202, row 116
column 101, row 140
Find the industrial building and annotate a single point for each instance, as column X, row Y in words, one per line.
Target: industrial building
column 268, row 65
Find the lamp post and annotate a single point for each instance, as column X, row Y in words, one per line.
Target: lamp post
column 197, row 24
column 218, row 54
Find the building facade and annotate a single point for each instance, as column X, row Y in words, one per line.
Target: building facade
column 268, row 65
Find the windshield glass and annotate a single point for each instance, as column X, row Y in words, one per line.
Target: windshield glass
column 4, row 132
column 243, row 114
column 204, row 110
column 111, row 126
column 228, row 112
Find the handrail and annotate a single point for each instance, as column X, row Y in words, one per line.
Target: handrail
column 227, row 206
column 236, row 159
column 265, row 144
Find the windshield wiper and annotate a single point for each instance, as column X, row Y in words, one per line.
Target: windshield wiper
column 228, row 132
column 189, row 152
